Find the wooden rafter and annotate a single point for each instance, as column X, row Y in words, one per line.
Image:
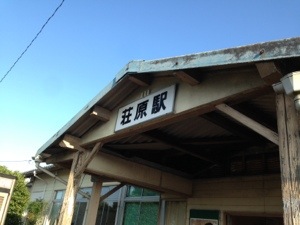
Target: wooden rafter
column 187, row 77
column 170, row 143
column 61, row 157
column 146, row 162
column 236, row 129
column 89, row 158
column 157, row 146
column 257, row 127
column 269, row 72
column 71, row 142
column 124, row 170
column 153, row 146
column 257, row 114
column 101, row 113
column 216, row 141
column 246, row 84
column 141, row 80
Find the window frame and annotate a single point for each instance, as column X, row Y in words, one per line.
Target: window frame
column 139, row 199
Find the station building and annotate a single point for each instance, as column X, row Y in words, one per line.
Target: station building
column 216, row 134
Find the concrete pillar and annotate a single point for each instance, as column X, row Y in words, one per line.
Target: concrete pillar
column 94, row 201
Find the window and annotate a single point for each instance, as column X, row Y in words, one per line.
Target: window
column 79, row 213
column 80, row 207
column 107, row 210
column 141, row 206
column 79, row 210
column 133, row 191
column 59, row 195
column 57, row 202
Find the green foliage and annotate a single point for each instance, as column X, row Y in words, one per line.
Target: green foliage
column 19, row 199
column 35, row 211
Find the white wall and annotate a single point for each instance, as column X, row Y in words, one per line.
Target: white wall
column 241, row 195
column 45, row 187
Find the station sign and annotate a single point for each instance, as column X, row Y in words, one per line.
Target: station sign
column 150, row 107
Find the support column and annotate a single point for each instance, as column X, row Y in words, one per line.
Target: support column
column 94, row 201
column 289, row 150
column 67, row 208
column 81, row 160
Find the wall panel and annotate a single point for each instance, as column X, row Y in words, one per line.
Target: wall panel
column 259, row 194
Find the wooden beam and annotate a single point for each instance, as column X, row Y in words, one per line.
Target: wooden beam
column 89, row 158
column 150, row 163
column 86, row 159
column 258, row 114
column 186, row 77
column 62, row 180
column 100, row 113
column 236, row 129
column 94, row 202
column 265, row 132
column 247, row 83
column 216, row 141
column 71, row 142
column 79, row 165
column 151, row 146
column 61, row 157
column 174, row 145
column 143, row 80
column 125, row 171
column 103, row 197
column 289, row 150
column 269, row 72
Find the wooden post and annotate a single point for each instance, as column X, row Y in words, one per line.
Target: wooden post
column 94, row 201
column 67, row 208
column 289, row 150
column 81, row 160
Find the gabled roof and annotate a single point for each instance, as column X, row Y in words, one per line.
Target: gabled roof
column 285, row 54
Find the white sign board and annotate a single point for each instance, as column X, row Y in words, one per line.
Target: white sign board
column 152, row 106
column 6, row 183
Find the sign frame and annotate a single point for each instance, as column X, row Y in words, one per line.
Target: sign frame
column 153, row 106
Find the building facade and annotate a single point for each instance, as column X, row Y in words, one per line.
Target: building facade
column 255, row 200
column 129, row 203
column 215, row 133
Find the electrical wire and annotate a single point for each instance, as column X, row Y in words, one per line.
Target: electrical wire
column 36, row 36
column 14, row 161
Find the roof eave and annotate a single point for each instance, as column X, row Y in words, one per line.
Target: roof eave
column 286, row 48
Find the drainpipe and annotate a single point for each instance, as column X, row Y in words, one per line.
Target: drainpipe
column 37, row 165
column 34, row 174
column 45, row 187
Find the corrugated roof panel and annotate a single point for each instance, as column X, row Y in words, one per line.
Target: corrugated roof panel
column 266, row 103
column 195, row 127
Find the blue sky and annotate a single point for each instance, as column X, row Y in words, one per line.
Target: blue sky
column 87, row 42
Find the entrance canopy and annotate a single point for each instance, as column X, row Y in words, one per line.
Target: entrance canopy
column 164, row 123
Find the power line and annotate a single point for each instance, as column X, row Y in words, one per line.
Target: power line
column 16, row 161
column 28, row 46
